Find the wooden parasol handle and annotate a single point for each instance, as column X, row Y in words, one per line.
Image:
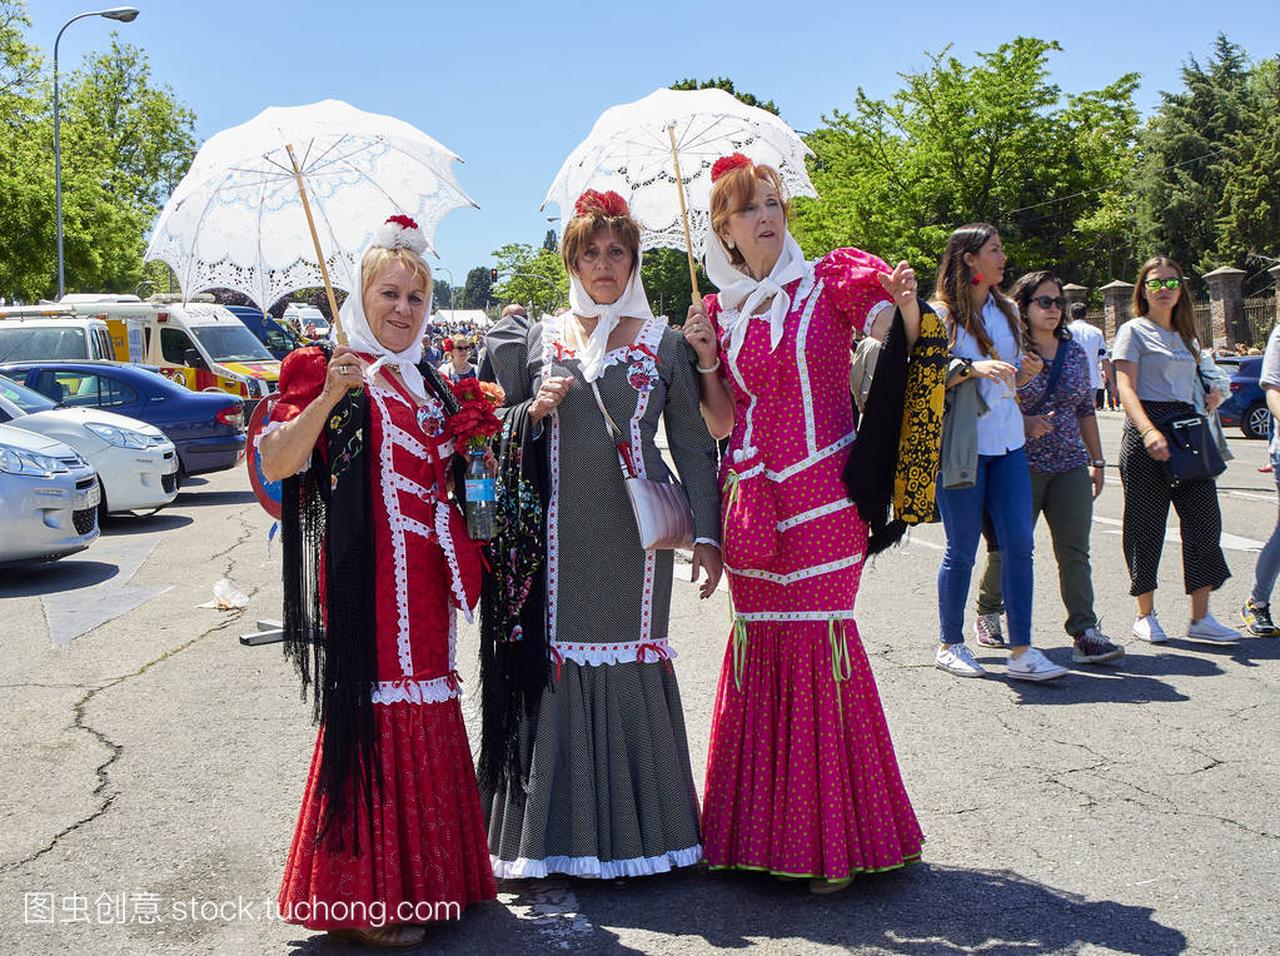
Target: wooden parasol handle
column 684, row 216
column 315, row 238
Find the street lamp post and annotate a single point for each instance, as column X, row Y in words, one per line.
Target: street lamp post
column 123, row 15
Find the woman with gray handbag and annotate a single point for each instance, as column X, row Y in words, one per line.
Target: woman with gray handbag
column 1167, row 454
column 592, row 778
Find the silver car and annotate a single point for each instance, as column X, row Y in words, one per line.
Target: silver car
column 48, row 499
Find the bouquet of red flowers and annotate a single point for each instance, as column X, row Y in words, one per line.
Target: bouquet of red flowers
column 474, row 423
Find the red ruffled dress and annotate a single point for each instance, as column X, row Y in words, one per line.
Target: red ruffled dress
column 802, row 778
column 429, row 856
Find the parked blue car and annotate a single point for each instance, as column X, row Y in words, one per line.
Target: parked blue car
column 1247, row 406
column 207, row 428
column 278, row 339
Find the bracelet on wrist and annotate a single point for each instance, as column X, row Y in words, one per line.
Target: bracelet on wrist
column 1098, row 463
column 708, row 371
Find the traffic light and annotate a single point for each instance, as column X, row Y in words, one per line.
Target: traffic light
column 493, row 275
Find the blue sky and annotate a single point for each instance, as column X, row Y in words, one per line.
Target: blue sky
column 512, row 87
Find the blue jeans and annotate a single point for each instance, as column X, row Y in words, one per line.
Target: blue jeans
column 1003, row 490
column 1268, row 567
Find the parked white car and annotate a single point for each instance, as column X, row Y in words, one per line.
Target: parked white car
column 137, row 465
column 48, row 499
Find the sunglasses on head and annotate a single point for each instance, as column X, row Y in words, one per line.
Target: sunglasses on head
column 1050, row 302
column 1155, row 285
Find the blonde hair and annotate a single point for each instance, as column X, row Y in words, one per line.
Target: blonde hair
column 737, row 187
column 377, row 258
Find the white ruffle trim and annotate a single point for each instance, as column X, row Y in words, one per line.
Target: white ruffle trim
column 434, row 691
column 633, row 652
column 591, row 867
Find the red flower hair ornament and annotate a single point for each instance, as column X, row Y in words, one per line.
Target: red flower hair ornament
column 592, row 203
column 400, row 232
column 726, row 163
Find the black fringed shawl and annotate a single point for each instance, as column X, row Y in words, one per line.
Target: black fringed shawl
column 893, row 464
column 330, row 622
column 514, row 666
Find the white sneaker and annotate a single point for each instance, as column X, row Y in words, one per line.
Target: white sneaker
column 1148, row 629
column 958, row 659
column 1032, row 665
column 1207, row 629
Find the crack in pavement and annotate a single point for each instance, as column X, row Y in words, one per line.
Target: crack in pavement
column 79, row 721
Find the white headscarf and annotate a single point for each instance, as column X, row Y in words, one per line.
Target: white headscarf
column 361, row 338
column 738, row 291
column 633, row 303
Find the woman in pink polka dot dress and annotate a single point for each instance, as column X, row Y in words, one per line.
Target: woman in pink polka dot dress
column 802, row 780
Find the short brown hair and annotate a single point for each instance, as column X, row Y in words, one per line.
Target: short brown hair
column 734, row 189
column 582, row 229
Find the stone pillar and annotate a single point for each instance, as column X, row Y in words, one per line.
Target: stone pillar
column 1226, row 306
column 1073, row 293
column 1116, row 297
column 1275, row 277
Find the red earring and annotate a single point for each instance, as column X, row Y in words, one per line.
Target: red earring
column 977, row 278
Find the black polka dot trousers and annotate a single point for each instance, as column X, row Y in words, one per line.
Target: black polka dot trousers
column 1147, row 496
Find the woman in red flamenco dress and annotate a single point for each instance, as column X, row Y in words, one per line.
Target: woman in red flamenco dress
column 377, row 564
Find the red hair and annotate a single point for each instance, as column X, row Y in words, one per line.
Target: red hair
column 735, row 186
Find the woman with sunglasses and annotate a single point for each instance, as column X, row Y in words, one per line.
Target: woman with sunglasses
column 1064, row 453
column 1156, row 358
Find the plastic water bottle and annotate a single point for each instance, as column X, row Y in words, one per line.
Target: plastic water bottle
column 480, row 497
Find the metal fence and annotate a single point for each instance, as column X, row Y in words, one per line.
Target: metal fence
column 1260, row 316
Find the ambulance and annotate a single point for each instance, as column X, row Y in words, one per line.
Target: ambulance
column 196, row 343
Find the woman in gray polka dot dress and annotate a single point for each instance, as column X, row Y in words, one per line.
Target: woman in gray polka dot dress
column 604, row 786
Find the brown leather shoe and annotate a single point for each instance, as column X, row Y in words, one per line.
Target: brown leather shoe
column 382, row 937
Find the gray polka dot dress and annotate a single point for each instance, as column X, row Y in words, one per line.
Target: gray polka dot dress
column 610, row 790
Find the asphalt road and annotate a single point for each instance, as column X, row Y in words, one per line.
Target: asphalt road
column 151, row 768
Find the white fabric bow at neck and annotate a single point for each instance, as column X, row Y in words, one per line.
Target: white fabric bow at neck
column 361, row 338
column 741, row 295
column 633, row 302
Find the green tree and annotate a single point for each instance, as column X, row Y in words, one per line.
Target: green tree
column 726, row 84
column 1187, row 157
column 990, row 141
column 534, row 277
column 126, row 142
column 475, row 291
column 1248, row 221
column 441, row 295
column 666, row 282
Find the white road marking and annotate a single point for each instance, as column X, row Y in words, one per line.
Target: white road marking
column 1232, row 542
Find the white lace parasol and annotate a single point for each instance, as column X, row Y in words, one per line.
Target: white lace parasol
column 236, row 220
column 629, row 151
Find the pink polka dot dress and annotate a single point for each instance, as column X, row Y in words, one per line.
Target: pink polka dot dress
column 802, row 778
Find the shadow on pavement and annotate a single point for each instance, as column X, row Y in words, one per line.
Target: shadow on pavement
column 117, row 526
column 924, row 910
column 55, row 577
column 204, row 498
column 1133, row 681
